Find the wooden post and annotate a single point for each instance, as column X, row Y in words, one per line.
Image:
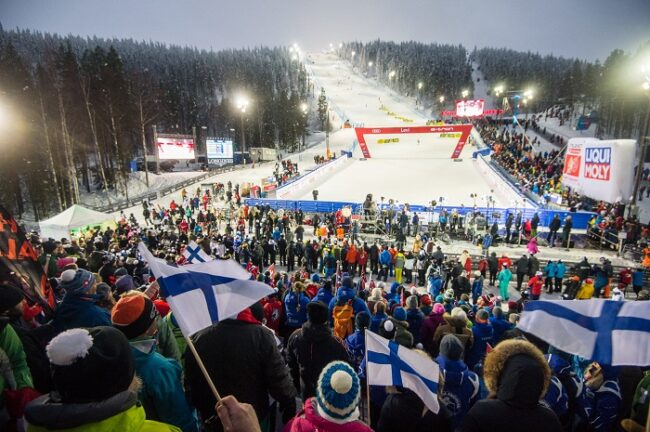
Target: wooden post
column 199, row 362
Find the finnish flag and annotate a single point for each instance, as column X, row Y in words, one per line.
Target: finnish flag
column 205, row 293
column 390, row 364
column 193, row 253
column 610, row 332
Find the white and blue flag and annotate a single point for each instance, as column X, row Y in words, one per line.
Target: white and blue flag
column 205, row 293
column 390, row 364
column 193, row 253
column 610, row 332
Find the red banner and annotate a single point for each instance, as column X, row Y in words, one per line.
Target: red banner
column 19, row 264
column 487, row 112
column 464, row 129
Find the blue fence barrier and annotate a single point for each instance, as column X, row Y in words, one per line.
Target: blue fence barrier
column 580, row 219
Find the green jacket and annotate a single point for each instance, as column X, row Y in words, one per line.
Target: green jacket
column 43, row 416
column 176, row 331
column 11, row 345
column 641, row 399
column 167, row 340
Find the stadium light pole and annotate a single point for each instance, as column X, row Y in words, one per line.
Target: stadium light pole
column 242, row 105
column 465, row 93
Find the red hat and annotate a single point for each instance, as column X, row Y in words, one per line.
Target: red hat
column 426, row 300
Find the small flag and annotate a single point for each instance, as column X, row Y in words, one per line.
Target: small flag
column 205, row 293
column 390, row 364
column 607, row 331
column 194, row 254
column 271, row 270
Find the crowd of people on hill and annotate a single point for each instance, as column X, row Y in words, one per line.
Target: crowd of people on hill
column 112, row 356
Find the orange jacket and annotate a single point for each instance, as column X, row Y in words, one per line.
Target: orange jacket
column 351, row 256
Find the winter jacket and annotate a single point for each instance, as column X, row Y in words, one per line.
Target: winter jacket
column 403, row 410
column 561, row 270
column 254, row 356
column 522, row 265
column 385, row 258
column 513, row 374
column 162, row 394
column 309, row 350
column 493, row 263
column 309, row 420
column 18, row 368
column 323, row 295
column 535, row 285
column 637, row 278
column 483, row 335
column 356, row 346
column 376, row 321
column 461, row 389
column 428, row 329
column 533, row 265
column 79, row 311
column 121, row 412
column 346, row 294
column 457, row 327
column 499, row 327
column 415, row 317
column 603, row 405
column 556, row 398
column 586, row 291
column 550, row 270
column 295, row 308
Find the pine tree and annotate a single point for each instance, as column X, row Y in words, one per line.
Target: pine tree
column 322, row 108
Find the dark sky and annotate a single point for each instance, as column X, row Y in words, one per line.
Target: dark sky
column 588, row 29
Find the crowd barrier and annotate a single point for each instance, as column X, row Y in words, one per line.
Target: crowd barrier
column 311, row 179
column 580, row 219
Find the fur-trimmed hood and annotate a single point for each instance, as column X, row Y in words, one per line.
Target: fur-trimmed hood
column 517, row 373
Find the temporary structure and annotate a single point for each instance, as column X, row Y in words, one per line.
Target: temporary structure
column 74, row 218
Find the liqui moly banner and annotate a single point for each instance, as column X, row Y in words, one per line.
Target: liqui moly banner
column 601, row 170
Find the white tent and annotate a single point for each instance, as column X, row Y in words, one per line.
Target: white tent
column 61, row 225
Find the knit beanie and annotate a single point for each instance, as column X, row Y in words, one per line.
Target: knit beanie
column 438, row 309
column 90, row 365
column 317, row 312
column 124, row 284
column 315, row 278
column 425, row 300
column 122, row 271
column 399, row 314
column 77, row 281
column 133, row 315
column 346, row 281
column 10, row 296
column 337, row 393
column 412, row 302
column 362, row 320
column 451, row 348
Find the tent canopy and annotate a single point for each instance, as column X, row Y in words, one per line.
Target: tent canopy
column 75, row 217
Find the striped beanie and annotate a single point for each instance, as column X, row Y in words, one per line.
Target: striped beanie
column 133, row 315
column 338, row 393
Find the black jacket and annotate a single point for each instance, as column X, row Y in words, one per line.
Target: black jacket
column 555, row 224
column 533, row 265
column 243, row 360
column 493, row 263
column 522, row 265
column 404, row 412
column 516, row 407
column 309, row 350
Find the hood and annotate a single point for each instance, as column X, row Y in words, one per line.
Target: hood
column 345, row 293
column 45, row 412
column 517, row 373
column 393, row 288
column 454, row 370
column 315, row 332
column 454, row 321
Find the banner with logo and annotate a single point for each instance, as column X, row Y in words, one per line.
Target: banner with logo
column 19, row 264
column 470, row 108
column 601, row 170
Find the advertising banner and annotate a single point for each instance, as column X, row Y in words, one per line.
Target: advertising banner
column 175, row 148
column 470, row 108
column 601, row 170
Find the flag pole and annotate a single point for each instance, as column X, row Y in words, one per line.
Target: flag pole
column 365, row 336
column 190, row 345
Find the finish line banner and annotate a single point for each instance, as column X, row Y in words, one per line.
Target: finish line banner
column 601, row 170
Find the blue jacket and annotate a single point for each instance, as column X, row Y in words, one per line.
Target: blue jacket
column 637, row 278
column 561, row 270
column 345, row 293
column 461, row 388
column 487, row 241
column 78, row 310
column 499, row 327
column 415, row 317
column 477, row 287
column 385, row 257
column 434, row 286
column 276, row 234
column 376, row 321
column 483, row 334
column 162, row 393
column 295, row 309
column 356, row 344
column 556, row 398
column 603, row 405
column 323, row 295
column 551, row 269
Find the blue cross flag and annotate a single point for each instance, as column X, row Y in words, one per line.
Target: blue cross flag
column 194, row 254
column 205, row 293
column 390, row 364
column 610, row 332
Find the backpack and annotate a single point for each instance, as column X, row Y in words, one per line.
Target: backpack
column 343, row 319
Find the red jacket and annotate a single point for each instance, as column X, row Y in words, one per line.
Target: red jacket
column 308, row 420
column 535, row 285
column 273, row 313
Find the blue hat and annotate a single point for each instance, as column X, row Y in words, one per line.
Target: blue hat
column 315, row 278
column 346, row 281
column 337, row 393
column 399, row 313
column 77, row 281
